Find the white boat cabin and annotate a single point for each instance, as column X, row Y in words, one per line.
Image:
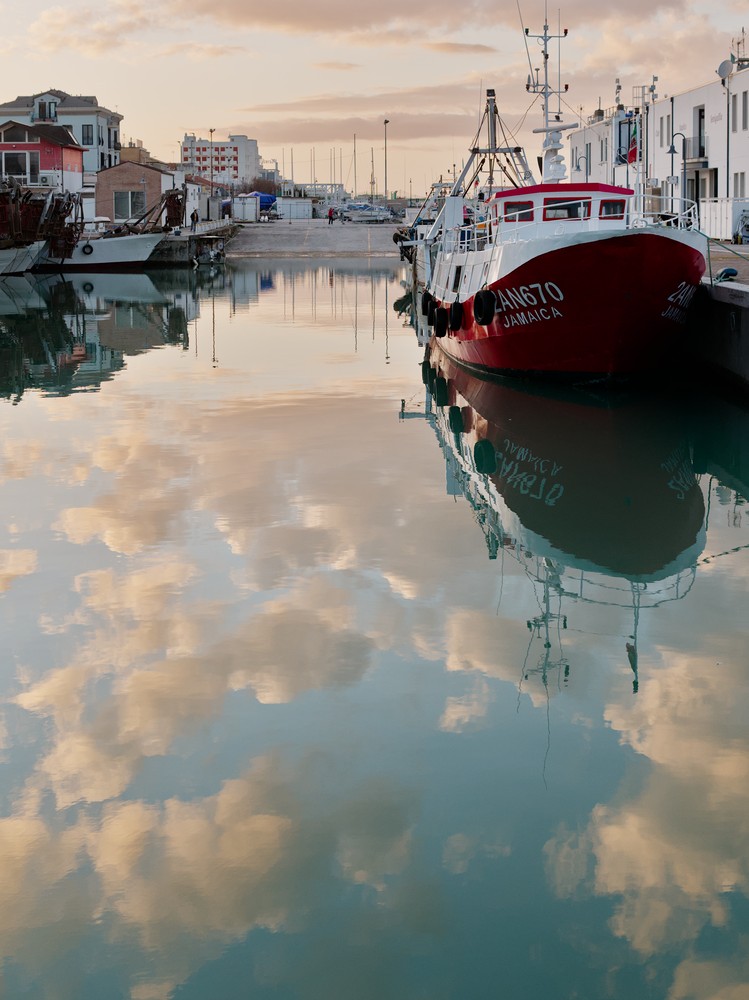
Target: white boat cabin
column 478, row 242
column 554, row 209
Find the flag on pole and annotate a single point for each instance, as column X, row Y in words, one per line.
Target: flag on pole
column 632, row 151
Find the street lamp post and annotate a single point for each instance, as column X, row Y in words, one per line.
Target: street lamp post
column 210, row 193
column 672, row 153
column 578, row 168
column 386, row 123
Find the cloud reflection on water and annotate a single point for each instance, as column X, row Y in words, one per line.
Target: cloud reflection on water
column 278, row 691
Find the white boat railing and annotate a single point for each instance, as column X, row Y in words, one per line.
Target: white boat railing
column 642, row 212
column 660, row 210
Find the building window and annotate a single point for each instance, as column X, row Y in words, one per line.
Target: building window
column 739, row 185
column 24, row 166
column 129, row 204
column 734, row 112
column 744, row 111
column 15, row 133
column 87, row 135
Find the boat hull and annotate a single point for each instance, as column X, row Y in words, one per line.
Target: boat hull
column 19, row 260
column 600, row 307
column 107, row 254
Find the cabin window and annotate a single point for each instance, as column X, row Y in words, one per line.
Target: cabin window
column 456, row 277
column 612, row 209
column 566, row 208
column 519, row 211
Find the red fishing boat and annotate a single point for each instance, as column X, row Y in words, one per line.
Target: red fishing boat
column 555, row 278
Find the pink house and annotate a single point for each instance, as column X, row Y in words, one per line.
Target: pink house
column 41, row 156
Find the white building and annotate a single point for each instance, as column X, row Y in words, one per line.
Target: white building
column 94, row 127
column 235, row 160
column 694, row 144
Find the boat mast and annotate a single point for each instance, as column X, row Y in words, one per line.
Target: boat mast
column 517, row 170
column 554, row 170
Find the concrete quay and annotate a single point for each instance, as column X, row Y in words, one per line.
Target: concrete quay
column 728, row 255
column 181, row 250
column 718, row 327
column 312, row 238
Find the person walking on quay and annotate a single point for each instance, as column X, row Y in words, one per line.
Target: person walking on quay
column 330, row 216
column 193, row 220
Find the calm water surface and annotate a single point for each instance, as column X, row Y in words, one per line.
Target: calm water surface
column 333, row 674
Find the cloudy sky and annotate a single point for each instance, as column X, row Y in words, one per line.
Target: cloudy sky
column 303, row 75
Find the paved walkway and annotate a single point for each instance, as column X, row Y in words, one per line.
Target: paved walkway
column 726, row 255
column 315, row 238
column 312, row 238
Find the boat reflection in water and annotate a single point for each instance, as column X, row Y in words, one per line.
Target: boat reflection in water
column 66, row 333
column 595, row 497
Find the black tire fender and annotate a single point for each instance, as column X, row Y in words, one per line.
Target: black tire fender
column 455, row 419
column 485, row 457
column 441, row 321
column 456, row 316
column 484, row 307
column 441, row 391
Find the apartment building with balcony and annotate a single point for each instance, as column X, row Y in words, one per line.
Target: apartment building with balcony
column 228, row 162
column 95, row 128
column 694, row 144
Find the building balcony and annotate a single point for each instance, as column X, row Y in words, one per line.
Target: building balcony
column 696, row 148
column 45, row 119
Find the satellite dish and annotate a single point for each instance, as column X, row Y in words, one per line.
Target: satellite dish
column 725, row 69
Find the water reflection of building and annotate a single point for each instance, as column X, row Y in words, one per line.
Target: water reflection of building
column 126, row 313
column 62, row 333
column 595, row 499
column 46, row 342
